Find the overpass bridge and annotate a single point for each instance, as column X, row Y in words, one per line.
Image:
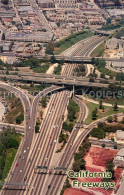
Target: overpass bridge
column 60, row 57
column 16, row 128
column 58, row 80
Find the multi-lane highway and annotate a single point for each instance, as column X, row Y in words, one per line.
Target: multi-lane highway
column 20, row 162
column 57, row 181
column 84, row 47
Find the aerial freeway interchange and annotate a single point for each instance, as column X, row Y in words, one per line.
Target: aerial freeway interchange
column 35, row 169
column 38, row 151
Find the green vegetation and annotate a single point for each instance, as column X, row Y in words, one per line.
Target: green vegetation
column 44, row 102
column 37, row 127
column 50, row 48
column 66, row 185
column 37, row 65
column 68, row 125
column 34, row 89
column 99, row 51
column 71, row 40
column 57, row 70
column 19, row 119
column 120, row 76
column 113, row 93
column 15, row 113
column 101, row 113
column 118, row 24
column 79, row 162
column 100, row 65
column 80, row 70
column 63, row 138
column 120, row 33
column 73, row 109
column 9, row 142
column 100, row 131
column 41, row 69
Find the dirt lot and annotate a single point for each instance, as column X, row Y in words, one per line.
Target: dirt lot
column 97, row 157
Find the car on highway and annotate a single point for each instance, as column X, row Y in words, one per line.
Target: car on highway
column 49, row 186
column 17, row 164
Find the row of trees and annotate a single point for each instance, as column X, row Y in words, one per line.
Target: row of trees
column 79, row 162
column 8, row 140
column 103, row 128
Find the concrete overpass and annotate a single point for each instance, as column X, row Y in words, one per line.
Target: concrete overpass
column 58, row 80
column 16, row 128
column 65, row 58
column 103, row 32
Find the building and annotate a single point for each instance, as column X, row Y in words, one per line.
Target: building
column 68, row 3
column 6, row 46
column 119, row 159
column 46, row 3
column 114, row 43
column 120, row 135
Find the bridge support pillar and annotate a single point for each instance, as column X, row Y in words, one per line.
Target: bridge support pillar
column 73, row 90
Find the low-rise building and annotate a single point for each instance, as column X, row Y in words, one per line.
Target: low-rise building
column 120, row 135
column 119, row 159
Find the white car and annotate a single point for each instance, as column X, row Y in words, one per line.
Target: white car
column 24, row 151
column 29, row 127
column 55, row 140
column 27, row 148
column 20, row 171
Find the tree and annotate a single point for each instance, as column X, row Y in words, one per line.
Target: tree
column 76, row 166
column 112, row 139
column 94, row 114
column 50, row 48
column 103, row 145
column 100, row 104
column 53, row 59
column 82, row 164
column 110, row 119
column 101, row 125
column 115, row 107
column 93, row 60
column 122, row 120
column 5, row 2
column 43, row 102
column 91, row 80
column 109, row 20
column 115, row 118
column 115, row 146
column 110, row 165
column 19, row 119
column 117, row 3
column 3, row 36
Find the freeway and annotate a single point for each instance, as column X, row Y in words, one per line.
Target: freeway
column 68, row 147
column 57, row 181
column 22, row 157
column 83, row 47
